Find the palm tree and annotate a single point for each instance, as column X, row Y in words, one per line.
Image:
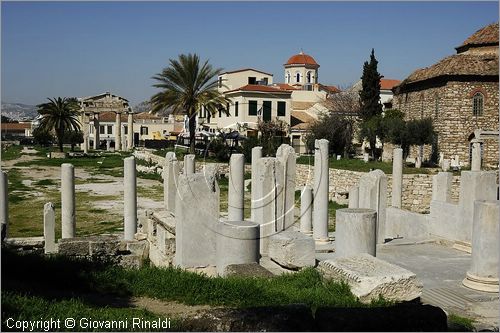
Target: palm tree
column 60, row 115
column 186, row 87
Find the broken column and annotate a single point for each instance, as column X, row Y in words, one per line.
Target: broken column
column 130, row 131
column 189, row 164
column 354, row 197
column 306, row 200
column 118, row 131
column 268, row 191
column 286, row 155
column 68, row 218
column 237, row 242
column 320, row 191
column 292, row 250
column 97, row 133
column 474, row 185
column 85, row 125
column 397, row 177
column 49, row 225
column 236, row 189
column 483, row 273
column 130, row 198
column 476, row 155
column 441, row 186
column 170, row 175
column 256, row 155
column 4, row 203
column 355, row 231
column 197, row 216
column 373, row 195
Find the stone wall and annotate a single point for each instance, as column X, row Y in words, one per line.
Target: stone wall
column 417, row 188
column 450, row 107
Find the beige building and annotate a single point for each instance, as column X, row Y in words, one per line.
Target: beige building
column 460, row 94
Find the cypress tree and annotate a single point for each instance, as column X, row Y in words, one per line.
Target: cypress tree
column 370, row 106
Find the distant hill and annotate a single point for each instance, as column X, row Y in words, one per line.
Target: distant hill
column 18, row 111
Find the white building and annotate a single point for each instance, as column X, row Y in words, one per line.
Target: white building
column 386, row 93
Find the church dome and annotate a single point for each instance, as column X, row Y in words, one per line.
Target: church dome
column 301, row 59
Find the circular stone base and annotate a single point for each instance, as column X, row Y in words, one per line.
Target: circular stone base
column 482, row 284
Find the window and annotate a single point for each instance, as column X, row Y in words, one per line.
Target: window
column 144, row 130
column 220, row 81
column 252, row 80
column 308, row 77
column 297, row 77
column 252, row 108
column 124, row 130
column 236, row 109
column 287, row 77
column 477, row 104
column 266, row 110
column 110, row 129
column 101, row 129
column 91, row 129
column 281, row 109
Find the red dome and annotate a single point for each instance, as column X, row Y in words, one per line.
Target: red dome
column 300, row 59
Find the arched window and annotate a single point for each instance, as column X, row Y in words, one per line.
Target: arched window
column 297, row 77
column 477, row 104
column 287, row 77
column 308, row 77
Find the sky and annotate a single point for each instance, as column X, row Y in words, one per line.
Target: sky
column 76, row 49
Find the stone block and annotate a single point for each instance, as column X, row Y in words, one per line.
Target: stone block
column 370, row 277
column 140, row 248
column 74, row 247
column 247, row 270
column 292, row 249
column 131, row 261
column 104, row 247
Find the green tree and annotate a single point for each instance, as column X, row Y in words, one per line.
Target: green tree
column 73, row 138
column 186, row 86
column 59, row 115
column 369, row 99
column 42, row 136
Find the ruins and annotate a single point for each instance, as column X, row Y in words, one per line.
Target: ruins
column 192, row 233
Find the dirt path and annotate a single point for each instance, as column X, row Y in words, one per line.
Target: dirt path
column 169, row 308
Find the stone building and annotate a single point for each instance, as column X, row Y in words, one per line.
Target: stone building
column 460, row 94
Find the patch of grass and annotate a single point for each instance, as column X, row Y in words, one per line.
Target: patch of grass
column 149, row 175
column 35, row 308
column 332, row 209
column 360, row 165
column 11, row 153
column 80, row 276
column 457, row 323
column 154, row 192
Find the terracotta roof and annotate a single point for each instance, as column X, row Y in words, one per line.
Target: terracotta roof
column 388, row 84
column 285, row 86
column 259, row 88
column 458, row 64
column 15, row 126
column 331, row 89
column 301, row 59
column 146, row 115
column 483, row 37
column 246, row 69
column 111, row 117
column 302, row 105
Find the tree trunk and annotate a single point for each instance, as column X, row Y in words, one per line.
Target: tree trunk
column 192, row 128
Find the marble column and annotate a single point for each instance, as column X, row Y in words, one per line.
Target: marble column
column 256, row 155
column 118, row 132
column 236, row 187
column 476, row 155
column 354, row 197
column 356, row 231
column 170, row 176
column 397, row 177
column 306, row 201
column 483, row 272
column 320, row 191
column 68, row 218
column 130, row 198
column 441, row 186
column 130, row 131
column 85, row 126
column 97, row 129
column 189, row 164
column 49, row 225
